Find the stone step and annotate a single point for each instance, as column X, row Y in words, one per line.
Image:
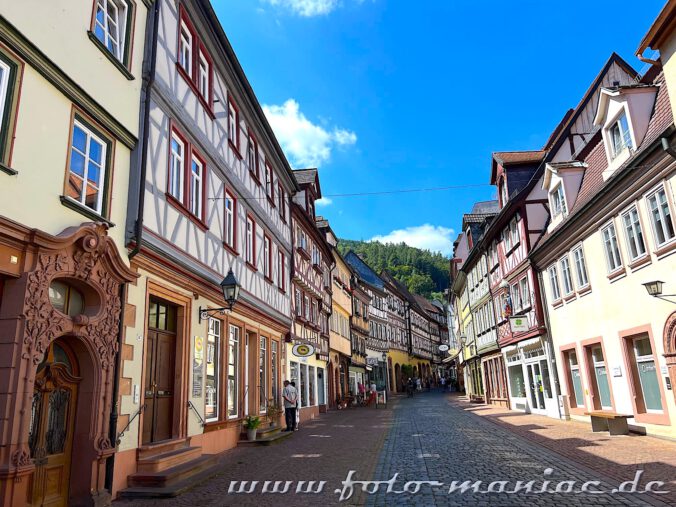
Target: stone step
column 161, row 447
column 275, row 438
column 169, row 459
column 174, row 489
column 263, row 432
column 172, row 475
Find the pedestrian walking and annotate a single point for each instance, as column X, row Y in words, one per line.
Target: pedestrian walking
column 373, row 392
column 443, row 384
column 418, row 384
column 290, row 396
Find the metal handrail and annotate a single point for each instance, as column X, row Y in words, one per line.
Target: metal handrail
column 118, row 439
column 190, row 405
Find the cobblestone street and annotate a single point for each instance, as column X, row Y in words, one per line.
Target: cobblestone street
column 440, row 438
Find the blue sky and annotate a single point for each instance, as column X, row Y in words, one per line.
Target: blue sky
column 395, row 94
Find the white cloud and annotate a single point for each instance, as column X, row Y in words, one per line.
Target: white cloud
column 429, row 237
column 324, row 201
column 305, row 143
column 306, row 8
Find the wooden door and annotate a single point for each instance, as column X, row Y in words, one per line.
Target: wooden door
column 52, row 427
column 159, row 378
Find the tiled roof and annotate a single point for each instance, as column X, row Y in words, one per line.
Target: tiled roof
column 304, row 176
column 364, row 271
column 519, row 157
column 597, row 162
column 485, row 207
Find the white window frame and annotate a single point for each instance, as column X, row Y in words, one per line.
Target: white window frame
column 4, row 88
column 267, row 255
column 566, row 277
column 250, row 232
column 281, row 283
column 514, row 230
column 177, row 167
column 197, row 187
column 90, row 136
column 613, row 256
column 119, row 26
column 554, row 286
column 186, row 50
column 230, row 216
column 580, row 267
column 214, row 330
column 252, row 156
column 559, row 201
column 633, row 233
column 232, row 123
column 204, row 75
column 525, row 293
column 234, row 344
column 663, row 219
column 507, row 238
column 624, row 134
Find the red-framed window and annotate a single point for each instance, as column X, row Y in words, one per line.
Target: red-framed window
column 280, row 201
column 250, row 239
column 186, row 177
column 233, row 125
column 230, row 221
column 269, row 182
column 252, row 157
column 194, row 62
column 267, row 257
column 281, row 270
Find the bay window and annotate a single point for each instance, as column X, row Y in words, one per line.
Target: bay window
column 633, row 234
column 660, row 215
column 613, row 258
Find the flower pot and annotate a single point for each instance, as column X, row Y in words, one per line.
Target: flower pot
column 251, row 434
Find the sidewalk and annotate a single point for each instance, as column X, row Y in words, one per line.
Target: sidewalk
column 618, row 457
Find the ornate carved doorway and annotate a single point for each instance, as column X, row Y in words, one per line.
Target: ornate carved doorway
column 53, row 424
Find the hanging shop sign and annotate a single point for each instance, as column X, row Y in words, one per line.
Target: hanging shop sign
column 443, row 347
column 303, row 350
column 518, row 324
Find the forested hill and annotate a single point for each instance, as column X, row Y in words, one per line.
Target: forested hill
column 423, row 272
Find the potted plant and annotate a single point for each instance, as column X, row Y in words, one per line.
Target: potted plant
column 274, row 411
column 251, row 423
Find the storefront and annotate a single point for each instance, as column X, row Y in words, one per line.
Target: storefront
column 357, row 375
column 309, row 375
column 377, row 370
column 530, row 378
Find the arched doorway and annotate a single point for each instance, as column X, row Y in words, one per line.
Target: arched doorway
column 52, row 426
column 670, row 349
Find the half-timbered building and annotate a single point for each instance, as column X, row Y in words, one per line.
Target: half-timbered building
column 359, row 334
column 210, row 195
column 311, row 304
column 398, row 338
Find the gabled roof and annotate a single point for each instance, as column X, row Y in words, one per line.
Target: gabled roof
column 364, row 271
column 597, row 162
column 306, row 177
column 507, row 158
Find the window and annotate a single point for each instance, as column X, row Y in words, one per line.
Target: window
column 306, row 307
column 273, row 371
column 66, row 299
column 233, row 372
column 269, row 190
column 197, row 182
column 8, row 93
column 313, row 315
column 580, row 268
column 575, row 379
column 647, row 374
column 252, row 157
column 503, row 192
column 87, row 166
column 110, row 26
column 516, row 297
column 316, row 256
column 204, row 77
column 660, row 215
column 233, row 124
column 281, row 200
column 554, row 283
column 213, row 377
column 558, row 202
column 302, row 239
column 508, row 239
column 612, row 250
column 194, row 62
column 634, row 235
column 620, row 136
column 263, row 375
column 303, row 385
column 176, row 163
column 185, row 49
column 230, row 232
column 281, row 270
column 514, row 229
column 600, row 376
column 565, row 276
column 267, row 258
column 299, row 303
column 250, row 242
column 525, row 293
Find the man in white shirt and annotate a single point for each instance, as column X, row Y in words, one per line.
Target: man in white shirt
column 290, row 396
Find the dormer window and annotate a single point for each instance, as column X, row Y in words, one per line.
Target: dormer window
column 558, row 202
column 620, row 135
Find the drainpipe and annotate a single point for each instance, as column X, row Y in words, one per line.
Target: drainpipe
column 148, row 80
column 114, row 413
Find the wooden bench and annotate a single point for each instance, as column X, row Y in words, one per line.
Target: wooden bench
column 614, row 423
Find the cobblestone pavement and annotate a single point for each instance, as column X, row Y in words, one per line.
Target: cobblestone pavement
column 437, row 437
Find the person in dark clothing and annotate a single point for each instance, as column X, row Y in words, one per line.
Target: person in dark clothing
column 290, row 396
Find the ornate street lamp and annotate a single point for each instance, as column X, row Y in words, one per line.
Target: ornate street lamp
column 654, row 289
column 230, row 287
